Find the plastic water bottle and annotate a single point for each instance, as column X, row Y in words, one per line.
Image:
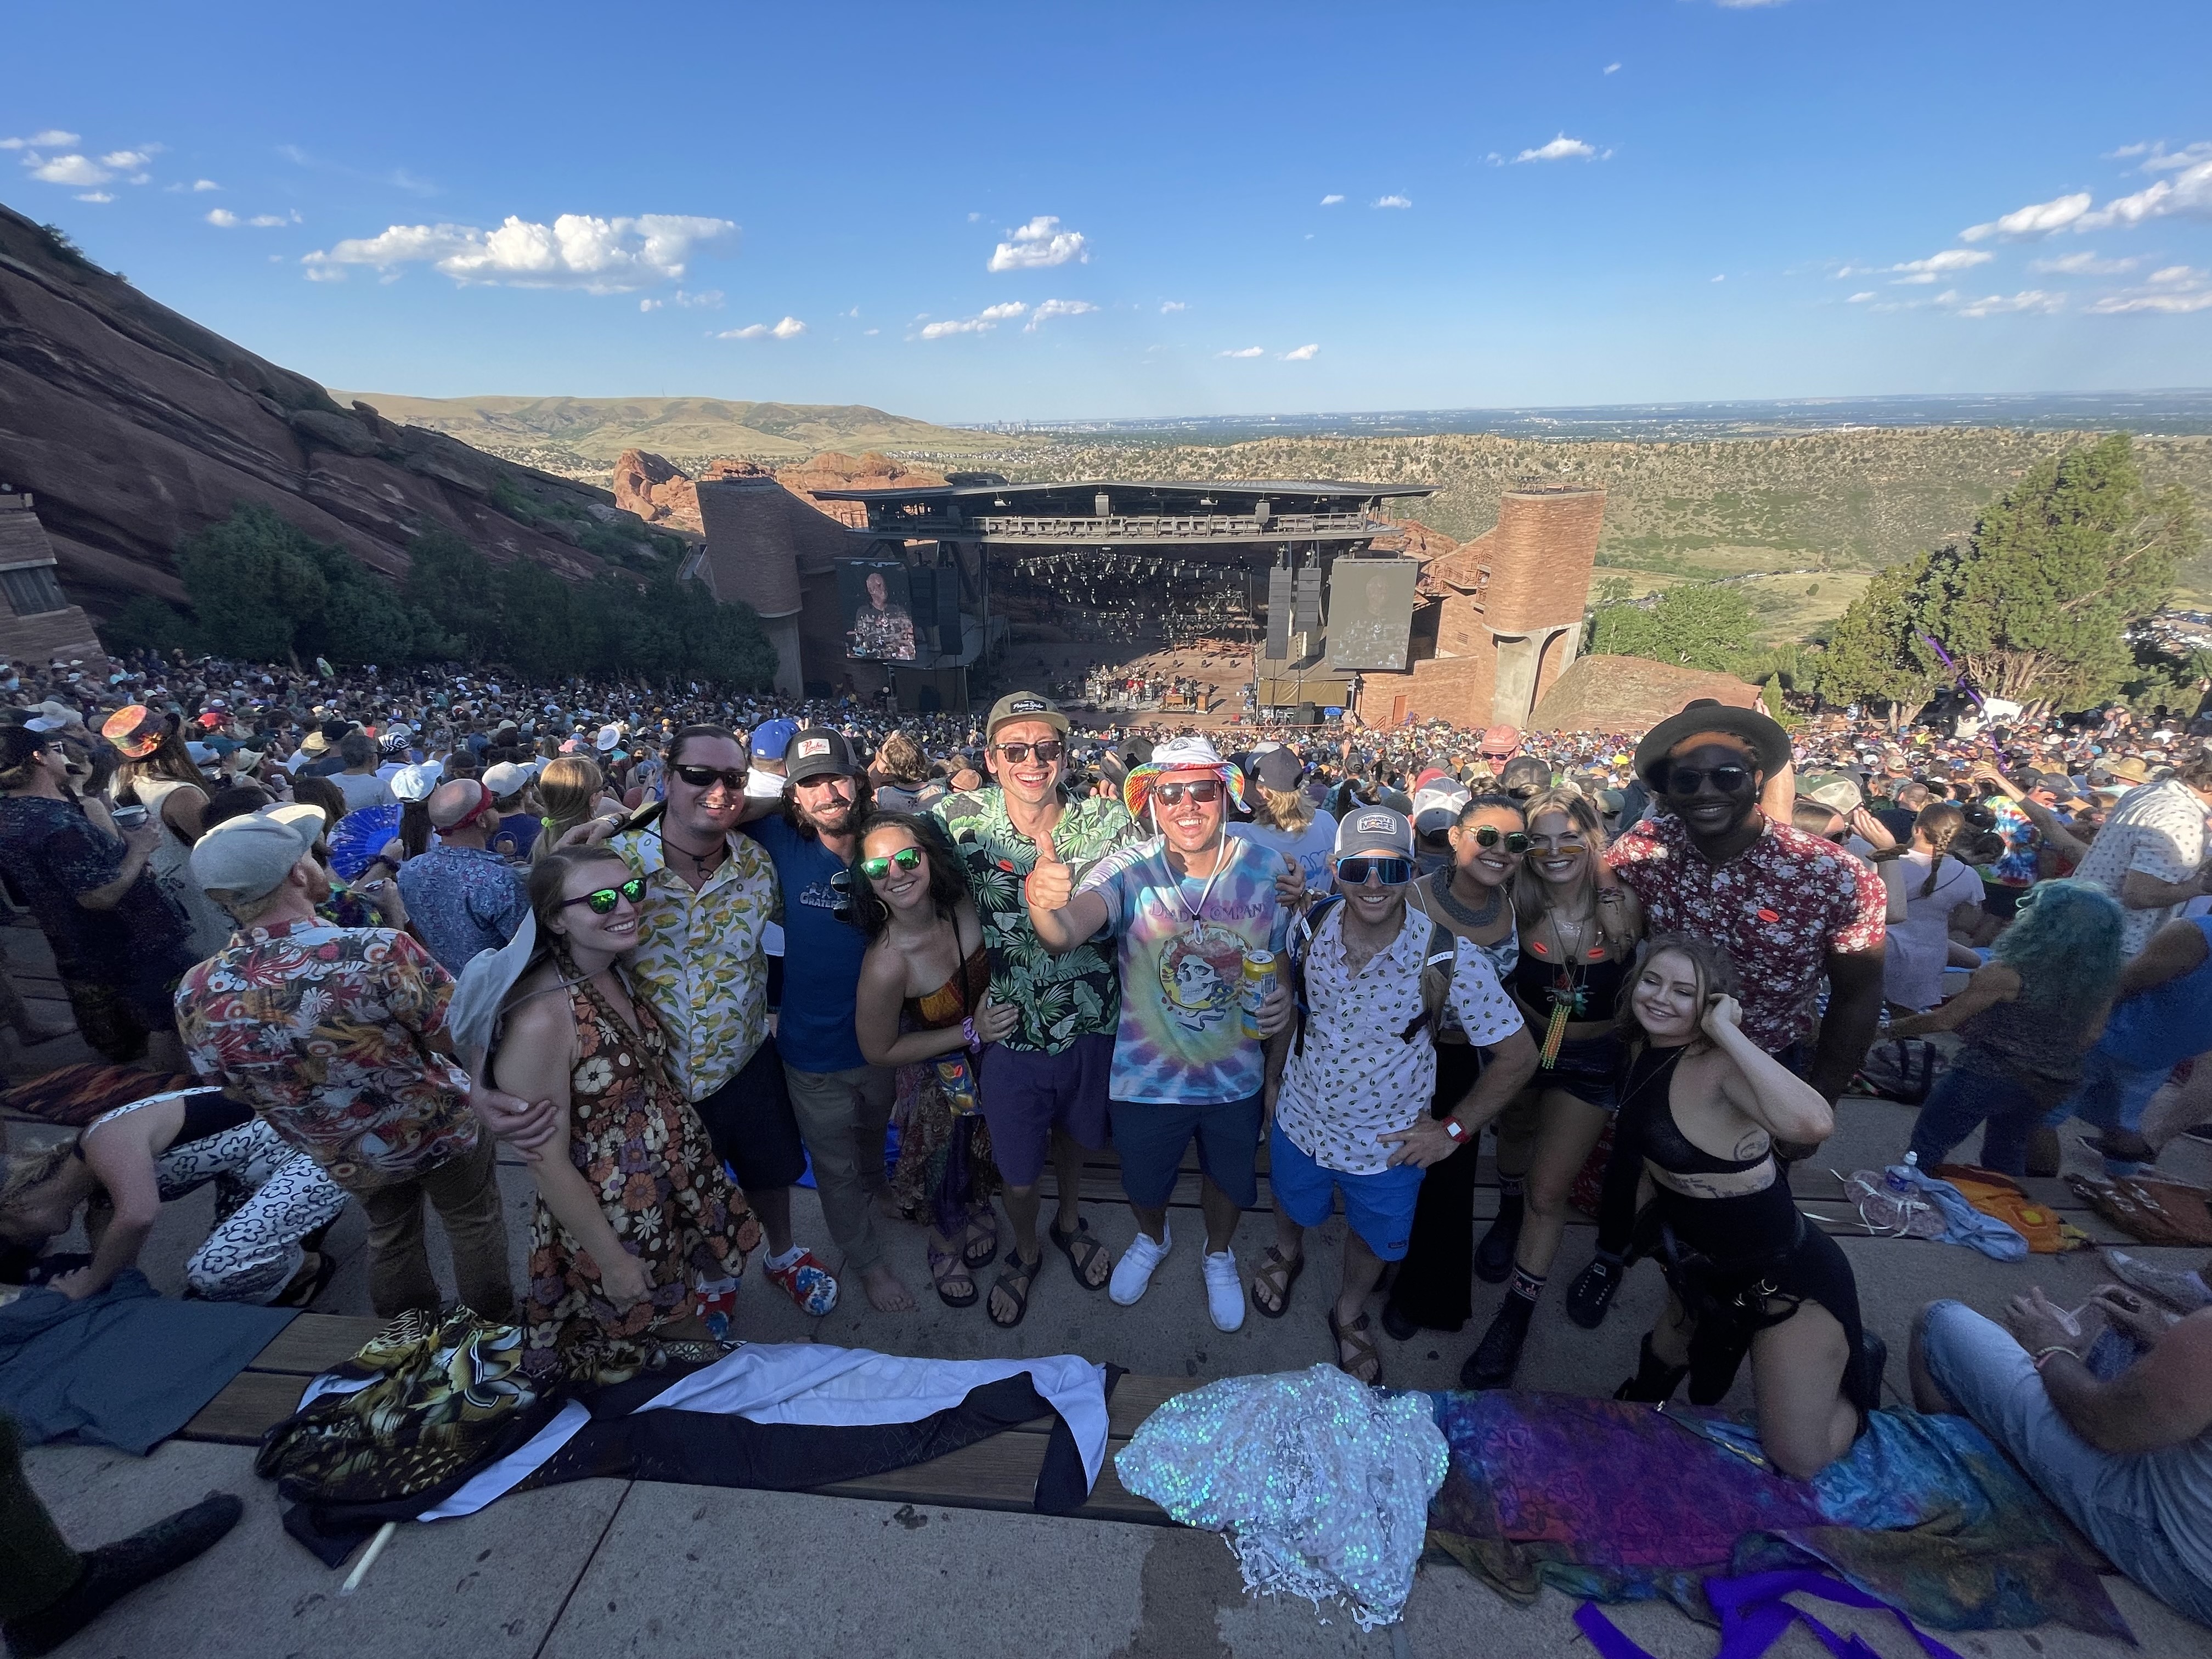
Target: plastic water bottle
column 1896, row 1180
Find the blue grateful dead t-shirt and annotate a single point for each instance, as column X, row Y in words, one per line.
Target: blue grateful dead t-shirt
column 1182, row 946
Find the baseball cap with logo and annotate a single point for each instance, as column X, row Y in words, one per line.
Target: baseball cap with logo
column 816, row 752
column 1437, row 806
column 1374, row 830
column 1525, row 775
column 1833, row 790
column 1024, row 705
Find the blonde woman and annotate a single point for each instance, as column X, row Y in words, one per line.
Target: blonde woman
column 1577, row 937
column 573, row 792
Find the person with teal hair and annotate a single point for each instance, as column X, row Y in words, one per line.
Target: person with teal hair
column 2026, row 1020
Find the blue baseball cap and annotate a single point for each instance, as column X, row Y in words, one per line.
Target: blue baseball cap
column 772, row 737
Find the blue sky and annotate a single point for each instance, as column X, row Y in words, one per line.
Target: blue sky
column 1191, row 209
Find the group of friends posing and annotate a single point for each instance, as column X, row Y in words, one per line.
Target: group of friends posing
column 1022, row 973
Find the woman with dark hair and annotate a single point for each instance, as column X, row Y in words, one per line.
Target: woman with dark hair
column 1701, row 1107
column 157, row 773
column 1576, row 937
column 923, row 1004
column 2025, row 1020
column 1471, row 898
column 1937, row 883
column 636, row 1232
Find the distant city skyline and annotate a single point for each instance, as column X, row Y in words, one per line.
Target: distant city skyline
column 974, row 214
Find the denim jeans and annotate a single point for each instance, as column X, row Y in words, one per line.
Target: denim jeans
column 1962, row 1099
column 2119, row 1500
column 2113, row 1096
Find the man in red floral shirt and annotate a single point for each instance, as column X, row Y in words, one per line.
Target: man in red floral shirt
column 1790, row 909
column 335, row 1037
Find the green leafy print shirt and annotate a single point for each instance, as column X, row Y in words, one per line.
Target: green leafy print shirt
column 1061, row 998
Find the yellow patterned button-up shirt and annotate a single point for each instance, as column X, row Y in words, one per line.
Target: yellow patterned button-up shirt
column 699, row 961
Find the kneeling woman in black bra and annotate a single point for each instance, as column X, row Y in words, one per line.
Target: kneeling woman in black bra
column 1701, row 1106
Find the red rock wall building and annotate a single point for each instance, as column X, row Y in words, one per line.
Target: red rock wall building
column 1508, row 615
column 36, row 622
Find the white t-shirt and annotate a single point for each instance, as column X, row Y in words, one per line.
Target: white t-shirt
column 1357, row 1079
column 1311, row 847
column 2158, row 828
column 1912, row 967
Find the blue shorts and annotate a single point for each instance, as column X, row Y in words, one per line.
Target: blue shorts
column 1379, row 1206
column 1149, row 1136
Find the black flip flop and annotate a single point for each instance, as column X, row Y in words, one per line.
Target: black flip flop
column 1011, row 1268
column 944, row 1265
column 1070, row 1244
column 326, row 1267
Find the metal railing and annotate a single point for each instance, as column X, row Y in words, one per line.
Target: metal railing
column 1210, row 527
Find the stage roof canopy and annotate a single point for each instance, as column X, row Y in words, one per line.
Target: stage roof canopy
column 1119, row 511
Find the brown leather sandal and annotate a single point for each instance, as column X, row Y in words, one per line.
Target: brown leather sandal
column 1365, row 1363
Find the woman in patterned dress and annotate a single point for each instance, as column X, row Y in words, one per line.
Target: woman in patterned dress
column 637, row 1231
column 923, row 1006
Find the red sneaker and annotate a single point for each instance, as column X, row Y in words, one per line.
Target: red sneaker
column 807, row 1283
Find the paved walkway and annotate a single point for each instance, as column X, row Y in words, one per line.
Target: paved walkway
column 611, row 1567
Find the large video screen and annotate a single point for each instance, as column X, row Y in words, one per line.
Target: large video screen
column 1371, row 612
column 878, row 613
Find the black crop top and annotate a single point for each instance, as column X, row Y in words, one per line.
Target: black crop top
column 208, row 1113
column 1599, row 985
column 1652, row 1073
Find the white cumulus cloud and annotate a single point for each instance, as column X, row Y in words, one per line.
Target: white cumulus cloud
column 1939, row 264
column 129, row 161
column 223, row 218
column 1393, row 201
column 67, row 170
column 577, row 249
column 95, row 196
column 2036, row 219
column 51, row 139
column 1166, row 305
column 1038, row 245
column 1000, row 312
column 1331, row 199
column 1304, row 354
column 982, row 322
column 1998, row 305
column 789, row 329
column 1861, row 297
column 2082, row 265
column 1561, row 149
column 705, row 300
column 1052, row 308
column 2170, row 304
column 1249, row 351
column 266, row 220
column 2187, row 194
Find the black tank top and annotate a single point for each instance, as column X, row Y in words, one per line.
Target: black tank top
column 1595, row 986
column 1664, row 1143
column 1744, row 1227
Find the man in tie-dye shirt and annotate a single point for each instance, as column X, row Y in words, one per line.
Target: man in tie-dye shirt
column 1185, row 908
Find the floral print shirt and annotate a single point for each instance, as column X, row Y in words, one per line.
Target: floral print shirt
column 1778, row 908
column 699, row 961
column 324, row 1031
column 1059, row 997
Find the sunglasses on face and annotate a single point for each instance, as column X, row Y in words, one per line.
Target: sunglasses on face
column 705, row 777
column 1048, row 752
column 1489, row 835
column 906, row 860
column 1685, row 780
column 1391, row 872
column 602, row 901
column 1204, row 791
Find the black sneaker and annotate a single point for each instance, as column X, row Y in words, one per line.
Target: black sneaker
column 1591, row 1295
column 113, row 1570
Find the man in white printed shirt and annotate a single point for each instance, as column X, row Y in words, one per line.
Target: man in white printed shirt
column 1350, row 1104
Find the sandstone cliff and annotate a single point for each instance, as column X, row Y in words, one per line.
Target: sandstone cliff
column 134, row 426
column 662, row 493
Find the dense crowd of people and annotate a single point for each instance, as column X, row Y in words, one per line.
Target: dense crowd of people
column 681, row 948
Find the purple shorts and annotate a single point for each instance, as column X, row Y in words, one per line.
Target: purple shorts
column 1028, row 1095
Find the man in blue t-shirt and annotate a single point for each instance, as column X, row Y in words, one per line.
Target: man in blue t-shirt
column 843, row 1103
column 2161, row 1015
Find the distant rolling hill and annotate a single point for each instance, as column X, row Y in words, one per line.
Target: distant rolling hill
column 596, row 430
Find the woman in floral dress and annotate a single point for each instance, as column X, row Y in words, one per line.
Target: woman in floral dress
column 637, row 1236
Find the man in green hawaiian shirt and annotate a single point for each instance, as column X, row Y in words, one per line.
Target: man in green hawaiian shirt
column 1044, row 1087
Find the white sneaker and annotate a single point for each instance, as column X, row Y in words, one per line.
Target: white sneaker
column 1133, row 1271
column 1225, row 1290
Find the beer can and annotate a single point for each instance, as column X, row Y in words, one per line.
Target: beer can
column 1259, row 981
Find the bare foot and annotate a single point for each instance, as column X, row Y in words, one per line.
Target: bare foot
column 887, row 1293
column 888, row 1208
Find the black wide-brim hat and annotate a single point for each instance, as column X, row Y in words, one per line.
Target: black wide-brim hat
column 1770, row 743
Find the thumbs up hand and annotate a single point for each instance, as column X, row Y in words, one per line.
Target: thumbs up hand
column 1051, row 885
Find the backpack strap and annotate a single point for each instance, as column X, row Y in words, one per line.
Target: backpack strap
column 1437, row 967
column 1303, row 934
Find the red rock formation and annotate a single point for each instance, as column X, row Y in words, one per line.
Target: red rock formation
column 657, row 491
column 1629, row 693
column 831, row 471
column 135, row 426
